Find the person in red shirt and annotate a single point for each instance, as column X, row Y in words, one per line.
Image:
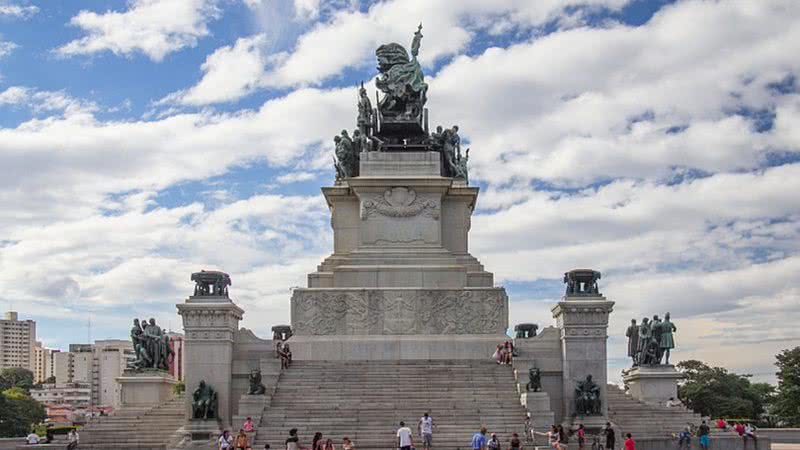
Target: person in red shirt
column 721, row 424
column 630, row 444
column 739, row 428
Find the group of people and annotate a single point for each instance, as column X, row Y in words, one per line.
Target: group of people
column 318, row 443
column 504, row 353
column 73, row 438
column 226, row 441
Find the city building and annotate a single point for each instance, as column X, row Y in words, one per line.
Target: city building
column 97, row 365
column 67, row 403
column 176, row 360
column 42, row 363
column 17, row 342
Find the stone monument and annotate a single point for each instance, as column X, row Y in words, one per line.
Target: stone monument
column 649, row 379
column 582, row 317
column 146, row 382
column 210, row 320
column 400, row 283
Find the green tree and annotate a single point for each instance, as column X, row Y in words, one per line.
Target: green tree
column 787, row 402
column 16, row 377
column 18, row 412
column 715, row 392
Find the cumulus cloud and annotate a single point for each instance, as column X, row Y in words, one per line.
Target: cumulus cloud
column 229, row 73
column 45, row 101
column 152, row 27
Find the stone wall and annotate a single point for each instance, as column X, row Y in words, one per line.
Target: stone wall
column 543, row 351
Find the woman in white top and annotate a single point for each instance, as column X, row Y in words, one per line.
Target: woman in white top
column 553, row 437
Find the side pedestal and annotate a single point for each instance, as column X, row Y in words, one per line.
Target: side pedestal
column 145, row 389
column 653, row 384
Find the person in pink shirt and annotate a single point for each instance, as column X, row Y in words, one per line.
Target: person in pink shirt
column 248, row 425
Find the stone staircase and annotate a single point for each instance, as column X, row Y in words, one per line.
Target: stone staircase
column 135, row 429
column 366, row 400
column 645, row 421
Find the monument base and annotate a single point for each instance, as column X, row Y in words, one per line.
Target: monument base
column 394, row 347
column 199, row 434
column 145, row 389
column 653, row 384
column 593, row 424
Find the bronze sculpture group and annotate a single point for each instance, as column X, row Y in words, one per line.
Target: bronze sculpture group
column 150, row 345
column 211, row 283
column 399, row 121
column 651, row 341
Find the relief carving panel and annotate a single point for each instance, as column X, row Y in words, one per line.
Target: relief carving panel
column 400, row 311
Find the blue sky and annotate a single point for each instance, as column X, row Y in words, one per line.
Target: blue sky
column 655, row 141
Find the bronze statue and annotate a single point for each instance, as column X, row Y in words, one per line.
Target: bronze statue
column 655, row 327
column 632, row 333
column 211, row 283
column 534, row 380
column 256, row 388
column 525, row 330
column 346, row 155
column 666, row 342
column 204, row 402
column 582, row 282
column 587, row 398
column 364, row 120
column 401, row 80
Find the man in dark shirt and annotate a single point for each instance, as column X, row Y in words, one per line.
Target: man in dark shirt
column 609, row 433
column 703, row 432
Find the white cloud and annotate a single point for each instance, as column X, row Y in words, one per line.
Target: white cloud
column 45, row 101
column 64, row 167
column 228, row 74
column 17, row 11
column 355, row 35
column 295, row 177
column 7, row 47
column 152, row 27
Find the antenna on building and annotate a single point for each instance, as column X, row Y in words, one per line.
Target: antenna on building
column 89, row 330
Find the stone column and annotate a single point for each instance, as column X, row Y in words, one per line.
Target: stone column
column 210, row 322
column 583, row 322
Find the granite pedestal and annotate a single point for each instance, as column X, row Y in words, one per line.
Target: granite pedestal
column 145, row 389
column 653, row 384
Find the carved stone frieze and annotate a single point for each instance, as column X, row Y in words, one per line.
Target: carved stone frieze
column 399, row 202
column 399, row 311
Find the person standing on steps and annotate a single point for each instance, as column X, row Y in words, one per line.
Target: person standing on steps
column 630, row 444
column 404, row 441
column 611, row 439
column 293, row 442
column 317, row 443
column 581, row 436
column 515, row 443
column 479, row 440
column 494, row 443
column 426, row 431
column 703, row 433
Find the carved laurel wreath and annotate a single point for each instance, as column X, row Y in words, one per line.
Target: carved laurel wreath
column 399, row 202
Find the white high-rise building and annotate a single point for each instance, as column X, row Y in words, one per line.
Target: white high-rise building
column 98, row 365
column 17, row 342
